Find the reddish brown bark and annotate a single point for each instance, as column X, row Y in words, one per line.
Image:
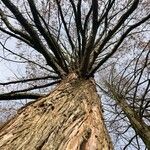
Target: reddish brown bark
column 69, row 118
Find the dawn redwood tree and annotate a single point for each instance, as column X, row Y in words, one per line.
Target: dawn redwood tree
column 130, row 88
column 75, row 38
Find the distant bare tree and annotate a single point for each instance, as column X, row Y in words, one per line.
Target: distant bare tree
column 130, row 89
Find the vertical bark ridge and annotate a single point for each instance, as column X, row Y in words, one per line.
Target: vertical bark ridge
column 69, row 118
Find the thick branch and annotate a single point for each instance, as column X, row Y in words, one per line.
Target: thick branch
column 53, row 45
column 15, row 36
column 35, row 87
column 118, row 44
column 12, row 28
column 65, row 25
column 28, row 80
column 112, row 32
column 39, row 46
column 17, row 96
column 79, row 30
column 89, row 49
column 30, row 61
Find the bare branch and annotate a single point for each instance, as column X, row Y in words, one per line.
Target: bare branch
column 34, row 87
column 117, row 26
column 28, row 80
column 18, row 96
column 39, row 46
column 52, row 43
column 118, row 44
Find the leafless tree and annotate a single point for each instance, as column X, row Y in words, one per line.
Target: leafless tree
column 67, row 43
column 129, row 89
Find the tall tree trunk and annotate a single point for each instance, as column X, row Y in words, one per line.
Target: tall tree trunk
column 69, row 118
column 140, row 127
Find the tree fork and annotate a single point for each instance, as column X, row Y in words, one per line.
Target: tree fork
column 69, row 118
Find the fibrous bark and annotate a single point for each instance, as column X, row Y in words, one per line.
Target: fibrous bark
column 69, row 118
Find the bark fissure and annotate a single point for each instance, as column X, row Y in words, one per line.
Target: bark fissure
column 69, row 118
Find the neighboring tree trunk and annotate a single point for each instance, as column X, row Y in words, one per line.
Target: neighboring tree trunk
column 140, row 127
column 69, row 118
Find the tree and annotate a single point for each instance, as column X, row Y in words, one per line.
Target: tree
column 75, row 39
column 130, row 89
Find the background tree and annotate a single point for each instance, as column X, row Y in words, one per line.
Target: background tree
column 73, row 40
column 130, row 89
